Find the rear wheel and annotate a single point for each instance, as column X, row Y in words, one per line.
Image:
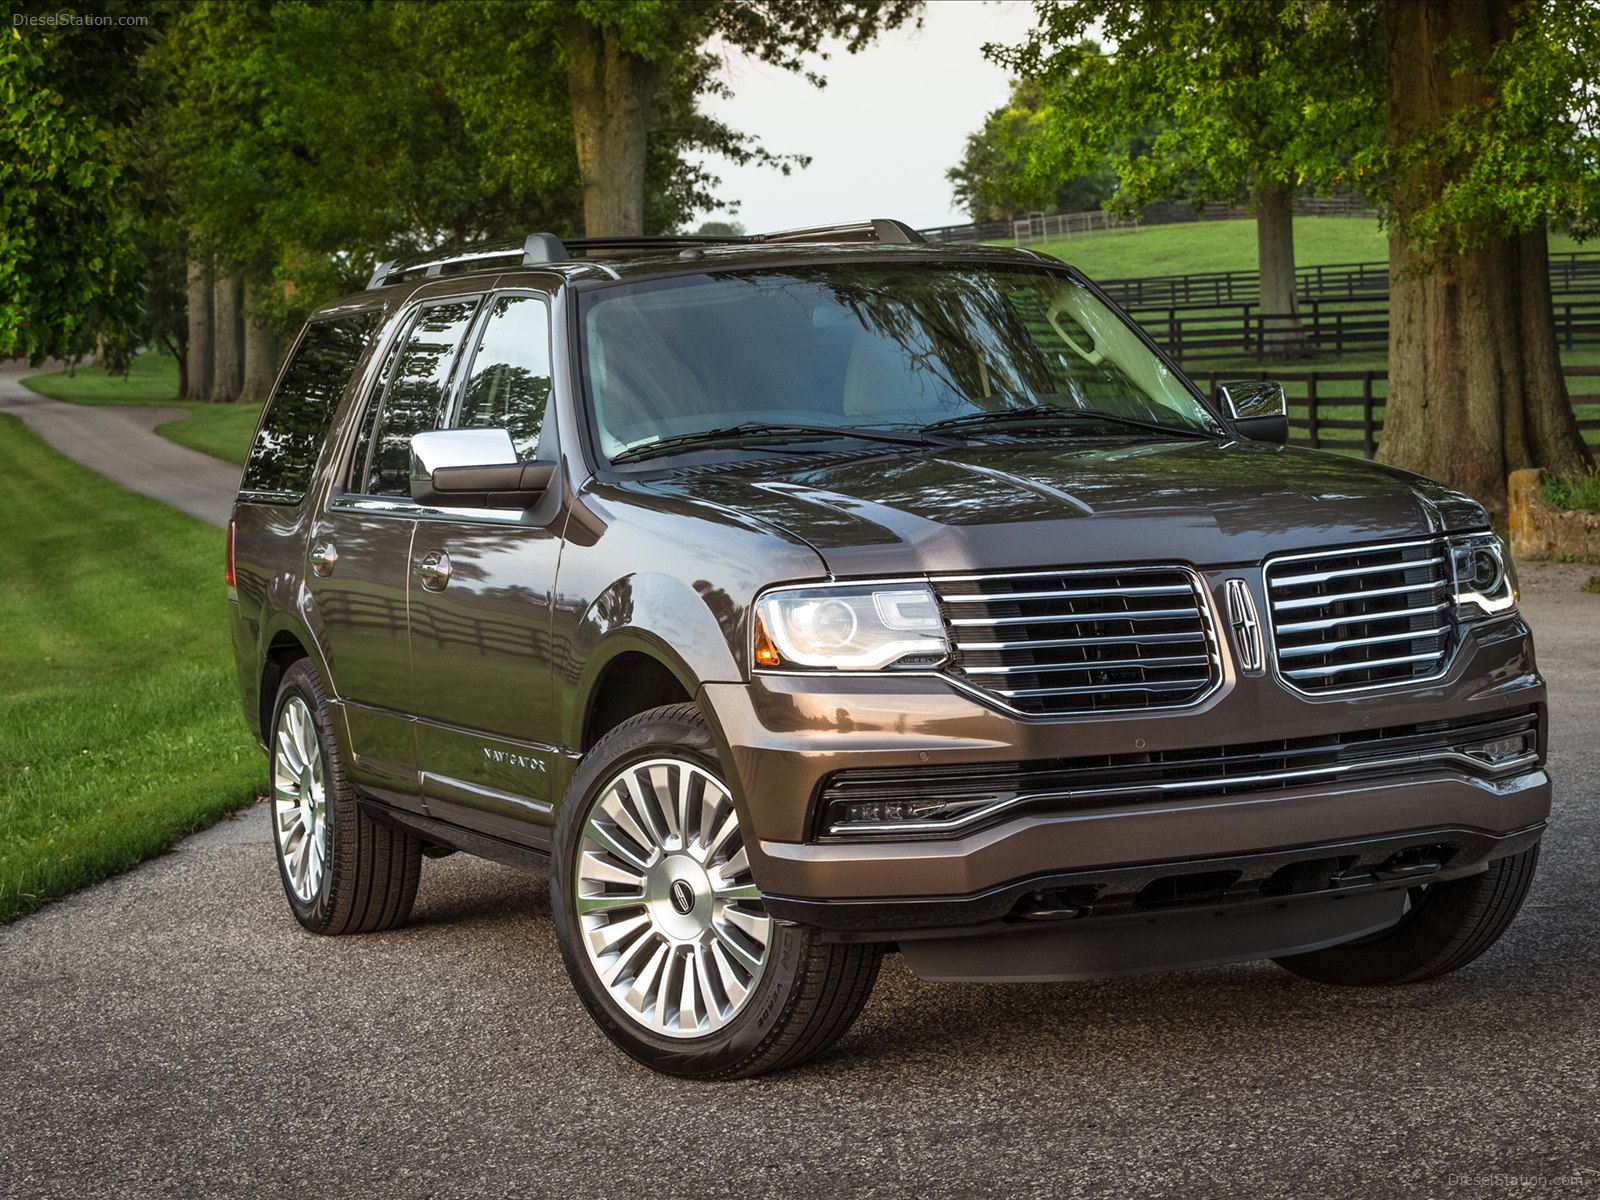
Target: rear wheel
column 342, row 871
column 1445, row 926
column 662, row 927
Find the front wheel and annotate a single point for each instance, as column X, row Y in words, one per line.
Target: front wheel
column 1445, row 926
column 662, row 927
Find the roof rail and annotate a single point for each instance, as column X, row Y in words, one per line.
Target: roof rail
column 539, row 248
column 879, row 229
column 534, row 249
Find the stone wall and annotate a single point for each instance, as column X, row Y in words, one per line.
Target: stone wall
column 1541, row 530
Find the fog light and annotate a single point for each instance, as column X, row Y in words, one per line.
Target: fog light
column 905, row 816
column 1501, row 749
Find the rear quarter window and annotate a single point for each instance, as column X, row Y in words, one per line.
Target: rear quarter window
column 296, row 423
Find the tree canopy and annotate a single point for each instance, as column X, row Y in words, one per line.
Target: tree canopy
column 67, row 265
column 292, row 143
column 996, row 179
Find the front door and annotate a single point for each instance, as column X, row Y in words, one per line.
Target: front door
column 361, row 548
column 481, row 589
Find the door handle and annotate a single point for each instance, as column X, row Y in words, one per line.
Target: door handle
column 434, row 570
column 323, row 558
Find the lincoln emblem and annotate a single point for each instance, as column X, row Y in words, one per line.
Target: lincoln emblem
column 1246, row 627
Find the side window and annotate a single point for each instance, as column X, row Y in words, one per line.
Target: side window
column 509, row 386
column 415, row 400
column 296, row 423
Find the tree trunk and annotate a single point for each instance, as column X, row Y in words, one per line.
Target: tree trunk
column 1275, row 260
column 227, row 331
column 260, row 357
column 612, row 93
column 198, row 356
column 1475, row 383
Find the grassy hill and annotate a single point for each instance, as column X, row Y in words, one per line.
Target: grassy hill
column 1227, row 246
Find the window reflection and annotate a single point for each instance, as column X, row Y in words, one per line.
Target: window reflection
column 296, row 424
column 415, row 403
column 509, row 387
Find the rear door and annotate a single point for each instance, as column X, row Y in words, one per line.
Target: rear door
column 481, row 590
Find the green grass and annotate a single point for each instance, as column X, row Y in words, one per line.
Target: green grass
column 1580, row 492
column 222, row 430
column 1593, row 586
column 119, row 716
column 1228, row 246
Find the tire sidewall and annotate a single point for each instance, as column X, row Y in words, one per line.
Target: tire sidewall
column 300, row 681
column 657, row 734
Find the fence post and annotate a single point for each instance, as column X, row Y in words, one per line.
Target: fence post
column 1368, row 431
column 1311, row 411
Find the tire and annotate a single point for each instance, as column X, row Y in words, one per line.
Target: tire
column 673, row 953
column 342, row 871
column 1445, row 926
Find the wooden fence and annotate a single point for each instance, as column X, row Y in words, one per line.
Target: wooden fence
column 1570, row 271
column 1326, row 327
column 1343, row 410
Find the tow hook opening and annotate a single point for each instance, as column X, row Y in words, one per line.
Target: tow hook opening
column 1414, row 862
column 1062, row 904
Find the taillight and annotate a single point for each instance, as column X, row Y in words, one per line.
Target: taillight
column 227, row 574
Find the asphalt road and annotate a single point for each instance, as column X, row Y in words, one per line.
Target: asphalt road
column 174, row 1033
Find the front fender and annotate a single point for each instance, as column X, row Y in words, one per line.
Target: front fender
column 697, row 635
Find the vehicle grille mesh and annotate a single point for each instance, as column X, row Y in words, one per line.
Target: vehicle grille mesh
column 1081, row 641
column 1361, row 617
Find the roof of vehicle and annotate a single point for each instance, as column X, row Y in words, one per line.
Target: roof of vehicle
column 616, row 257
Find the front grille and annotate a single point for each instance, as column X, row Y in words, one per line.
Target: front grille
column 885, row 800
column 1357, row 618
column 1053, row 643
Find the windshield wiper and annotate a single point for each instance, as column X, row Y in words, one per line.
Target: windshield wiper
column 1054, row 412
column 753, row 430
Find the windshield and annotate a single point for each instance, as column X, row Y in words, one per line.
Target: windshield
column 869, row 346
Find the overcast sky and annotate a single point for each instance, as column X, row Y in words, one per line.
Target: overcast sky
column 892, row 120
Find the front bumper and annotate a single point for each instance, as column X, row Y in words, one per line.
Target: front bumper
column 784, row 736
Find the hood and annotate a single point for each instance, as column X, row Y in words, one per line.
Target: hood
column 1035, row 504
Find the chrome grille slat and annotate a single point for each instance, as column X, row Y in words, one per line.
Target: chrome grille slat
column 1108, row 664
column 1324, row 576
column 1156, row 614
column 1324, row 647
column 1057, row 595
column 1369, row 594
column 1142, row 639
column 1371, row 620
column 1149, row 626
column 1366, row 665
column 1176, row 685
column 1362, row 617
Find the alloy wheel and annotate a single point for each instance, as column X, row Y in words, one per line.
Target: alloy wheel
column 300, row 799
column 670, row 917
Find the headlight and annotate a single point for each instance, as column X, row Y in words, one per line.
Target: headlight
column 1485, row 579
column 857, row 627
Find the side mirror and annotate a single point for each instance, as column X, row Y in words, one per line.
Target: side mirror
column 1259, row 409
column 474, row 468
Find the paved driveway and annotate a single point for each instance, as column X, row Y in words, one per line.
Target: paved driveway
column 118, row 443
column 174, row 1033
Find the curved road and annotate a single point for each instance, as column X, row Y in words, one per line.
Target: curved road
column 173, row 1033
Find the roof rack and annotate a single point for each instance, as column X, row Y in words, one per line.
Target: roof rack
column 540, row 248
